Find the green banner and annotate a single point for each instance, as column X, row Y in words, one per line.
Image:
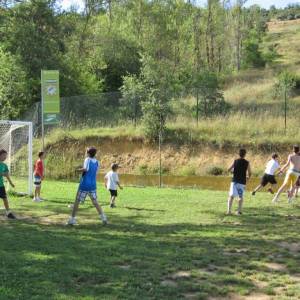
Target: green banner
column 50, row 96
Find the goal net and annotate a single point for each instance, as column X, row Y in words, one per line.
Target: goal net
column 16, row 139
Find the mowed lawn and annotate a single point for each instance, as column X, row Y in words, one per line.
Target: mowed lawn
column 159, row 244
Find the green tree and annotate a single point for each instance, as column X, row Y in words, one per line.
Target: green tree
column 14, row 93
column 284, row 86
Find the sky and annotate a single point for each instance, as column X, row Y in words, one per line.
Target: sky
column 263, row 3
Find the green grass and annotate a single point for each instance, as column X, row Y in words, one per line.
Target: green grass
column 160, row 244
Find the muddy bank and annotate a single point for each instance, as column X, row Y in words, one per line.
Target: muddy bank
column 136, row 156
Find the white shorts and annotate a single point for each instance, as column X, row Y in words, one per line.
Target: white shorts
column 236, row 190
column 81, row 195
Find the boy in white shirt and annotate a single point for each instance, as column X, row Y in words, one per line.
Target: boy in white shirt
column 112, row 183
column 269, row 175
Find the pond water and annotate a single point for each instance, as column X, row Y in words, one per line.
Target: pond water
column 204, row 182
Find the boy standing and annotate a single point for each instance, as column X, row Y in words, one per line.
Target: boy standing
column 38, row 175
column 269, row 176
column 88, row 186
column 4, row 172
column 112, row 183
column 293, row 162
column 240, row 167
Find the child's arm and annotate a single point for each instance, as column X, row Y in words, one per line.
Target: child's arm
column 230, row 169
column 9, row 180
column 118, row 183
column 105, row 181
column 249, row 171
column 285, row 166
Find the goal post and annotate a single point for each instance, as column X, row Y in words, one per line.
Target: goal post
column 16, row 137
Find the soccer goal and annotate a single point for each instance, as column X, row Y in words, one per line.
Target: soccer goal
column 16, row 139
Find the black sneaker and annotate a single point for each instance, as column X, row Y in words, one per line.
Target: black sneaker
column 253, row 193
column 112, row 206
column 11, row 216
column 239, row 213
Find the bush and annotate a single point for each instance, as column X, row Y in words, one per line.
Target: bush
column 215, row 171
column 154, row 119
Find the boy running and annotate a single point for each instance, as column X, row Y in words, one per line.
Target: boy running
column 88, row 186
column 240, row 167
column 38, row 175
column 4, row 172
column 112, row 183
column 269, row 176
column 291, row 176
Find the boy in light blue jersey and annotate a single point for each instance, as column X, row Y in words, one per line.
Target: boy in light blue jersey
column 88, row 186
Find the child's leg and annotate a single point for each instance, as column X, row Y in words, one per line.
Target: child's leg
column 240, row 207
column 257, row 189
column 76, row 205
column 112, row 200
column 229, row 204
column 272, row 188
column 98, row 207
column 38, row 191
column 94, row 199
column 6, row 205
column 280, row 190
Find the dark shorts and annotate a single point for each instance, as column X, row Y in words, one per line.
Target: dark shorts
column 268, row 179
column 298, row 182
column 114, row 193
column 3, row 192
column 37, row 181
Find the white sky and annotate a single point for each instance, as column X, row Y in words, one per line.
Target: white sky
column 264, row 3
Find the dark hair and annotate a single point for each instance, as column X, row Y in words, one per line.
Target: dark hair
column 114, row 166
column 242, row 152
column 2, row 151
column 296, row 148
column 41, row 153
column 91, row 151
column 274, row 155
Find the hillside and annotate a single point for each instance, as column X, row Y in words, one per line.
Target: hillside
column 256, row 122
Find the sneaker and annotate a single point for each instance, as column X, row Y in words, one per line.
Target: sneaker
column 239, row 213
column 103, row 218
column 253, row 193
column 36, row 199
column 72, row 221
column 113, row 205
column 11, row 216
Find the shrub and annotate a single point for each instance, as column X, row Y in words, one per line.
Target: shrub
column 215, row 171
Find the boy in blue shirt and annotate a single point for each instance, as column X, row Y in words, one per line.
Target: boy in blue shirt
column 88, row 186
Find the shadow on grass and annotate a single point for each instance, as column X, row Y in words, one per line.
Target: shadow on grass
column 130, row 259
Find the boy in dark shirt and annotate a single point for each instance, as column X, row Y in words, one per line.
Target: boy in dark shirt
column 240, row 167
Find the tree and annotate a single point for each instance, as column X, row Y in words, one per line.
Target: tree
column 284, row 86
column 133, row 94
column 14, row 93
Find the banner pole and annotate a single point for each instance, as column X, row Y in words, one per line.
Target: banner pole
column 42, row 112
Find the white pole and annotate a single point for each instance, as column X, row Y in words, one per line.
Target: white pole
column 42, row 112
column 9, row 154
column 30, row 165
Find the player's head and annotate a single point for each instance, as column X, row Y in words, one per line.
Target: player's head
column 91, row 152
column 275, row 156
column 3, row 155
column 114, row 167
column 296, row 149
column 242, row 153
column 41, row 154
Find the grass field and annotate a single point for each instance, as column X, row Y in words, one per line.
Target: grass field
column 160, row 244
